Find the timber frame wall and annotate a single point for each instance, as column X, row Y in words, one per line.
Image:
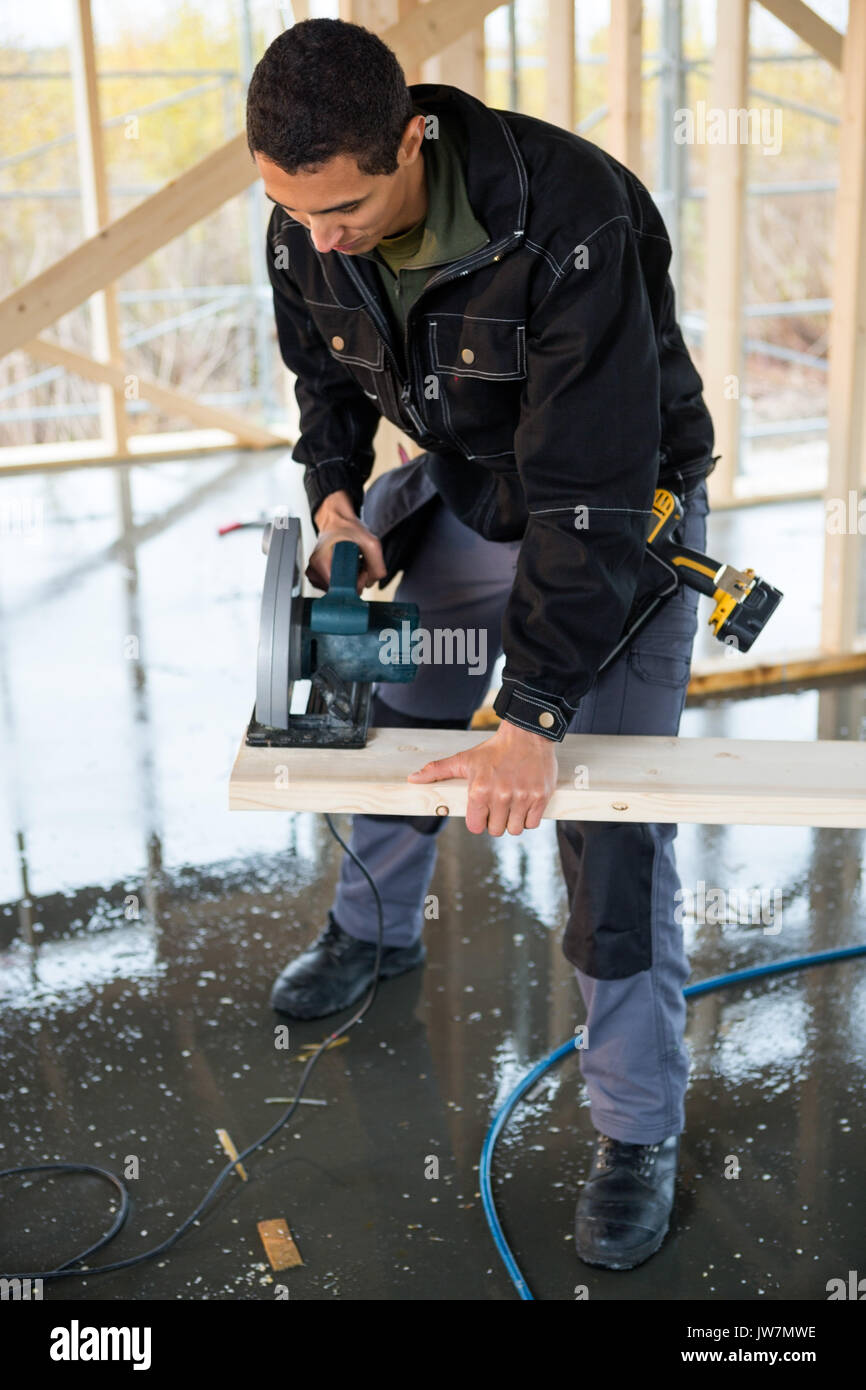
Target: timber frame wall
column 444, row 40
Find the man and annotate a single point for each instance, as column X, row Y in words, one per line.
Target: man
column 499, row 289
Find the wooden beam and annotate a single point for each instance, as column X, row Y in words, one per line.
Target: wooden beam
column 95, row 211
column 724, row 242
column 431, row 28
column 724, row 676
column 624, row 82
column 847, row 345
column 379, row 16
column 560, row 94
column 461, row 64
column 709, row 781
column 163, row 397
column 124, row 243
column 96, row 453
column 710, row 680
column 713, row 677
column 810, row 27
column 193, row 195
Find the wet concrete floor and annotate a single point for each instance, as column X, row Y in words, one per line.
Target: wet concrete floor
column 142, row 924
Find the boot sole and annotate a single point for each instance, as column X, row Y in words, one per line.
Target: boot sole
column 634, row 1257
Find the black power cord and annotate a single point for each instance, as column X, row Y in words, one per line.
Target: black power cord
column 68, row 1269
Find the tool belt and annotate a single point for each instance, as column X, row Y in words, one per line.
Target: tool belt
column 685, row 478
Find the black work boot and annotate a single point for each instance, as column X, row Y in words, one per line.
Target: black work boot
column 625, row 1206
column 335, row 971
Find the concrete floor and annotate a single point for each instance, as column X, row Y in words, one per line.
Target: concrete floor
column 141, row 926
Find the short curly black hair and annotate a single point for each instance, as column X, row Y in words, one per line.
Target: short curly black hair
column 324, row 88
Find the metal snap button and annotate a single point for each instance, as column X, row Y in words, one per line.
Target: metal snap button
column 468, row 355
column 337, row 342
column 546, row 719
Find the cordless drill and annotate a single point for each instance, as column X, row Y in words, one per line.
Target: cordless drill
column 744, row 602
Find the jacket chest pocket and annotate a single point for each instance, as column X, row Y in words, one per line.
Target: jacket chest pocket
column 352, row 339
column 487, row 349
column 478, row 367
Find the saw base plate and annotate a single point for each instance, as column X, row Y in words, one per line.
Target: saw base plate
column 317, row 727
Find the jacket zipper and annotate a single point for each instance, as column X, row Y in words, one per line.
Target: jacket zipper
column 477, row 259
column 385, row 331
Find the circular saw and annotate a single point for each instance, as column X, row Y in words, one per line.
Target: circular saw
column 339, row 643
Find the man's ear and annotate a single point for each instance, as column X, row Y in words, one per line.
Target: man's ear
column 413, row 138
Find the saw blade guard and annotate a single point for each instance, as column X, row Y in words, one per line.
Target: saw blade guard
column 280, row 627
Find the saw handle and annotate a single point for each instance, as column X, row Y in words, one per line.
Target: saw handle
column 341, row 610
column 344, row 569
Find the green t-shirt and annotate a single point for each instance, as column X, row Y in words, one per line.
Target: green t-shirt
column 397, row 250
column 449, row 230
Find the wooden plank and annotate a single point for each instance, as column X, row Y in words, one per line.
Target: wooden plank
column 163, row 397
column 229, row 1146
column 193, row 195
column 847, row 345
column 624, row 82
column 560, row 94
column 280, row 1248
column 810, row 27
column 724, row 240
column 711, row 781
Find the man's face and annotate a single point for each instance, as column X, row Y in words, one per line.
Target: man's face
column 344, row 209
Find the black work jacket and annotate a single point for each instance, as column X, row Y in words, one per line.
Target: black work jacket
column 544, row 374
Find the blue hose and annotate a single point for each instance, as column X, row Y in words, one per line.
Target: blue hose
column 498, row 1123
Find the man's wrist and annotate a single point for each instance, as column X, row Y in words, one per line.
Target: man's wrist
column 520, row 735
column 532, row 710
column 337, row 506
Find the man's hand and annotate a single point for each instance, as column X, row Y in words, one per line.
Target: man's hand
column 337, row 520
column 511, row 777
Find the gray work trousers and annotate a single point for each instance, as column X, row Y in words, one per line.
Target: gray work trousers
column 622, row 935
